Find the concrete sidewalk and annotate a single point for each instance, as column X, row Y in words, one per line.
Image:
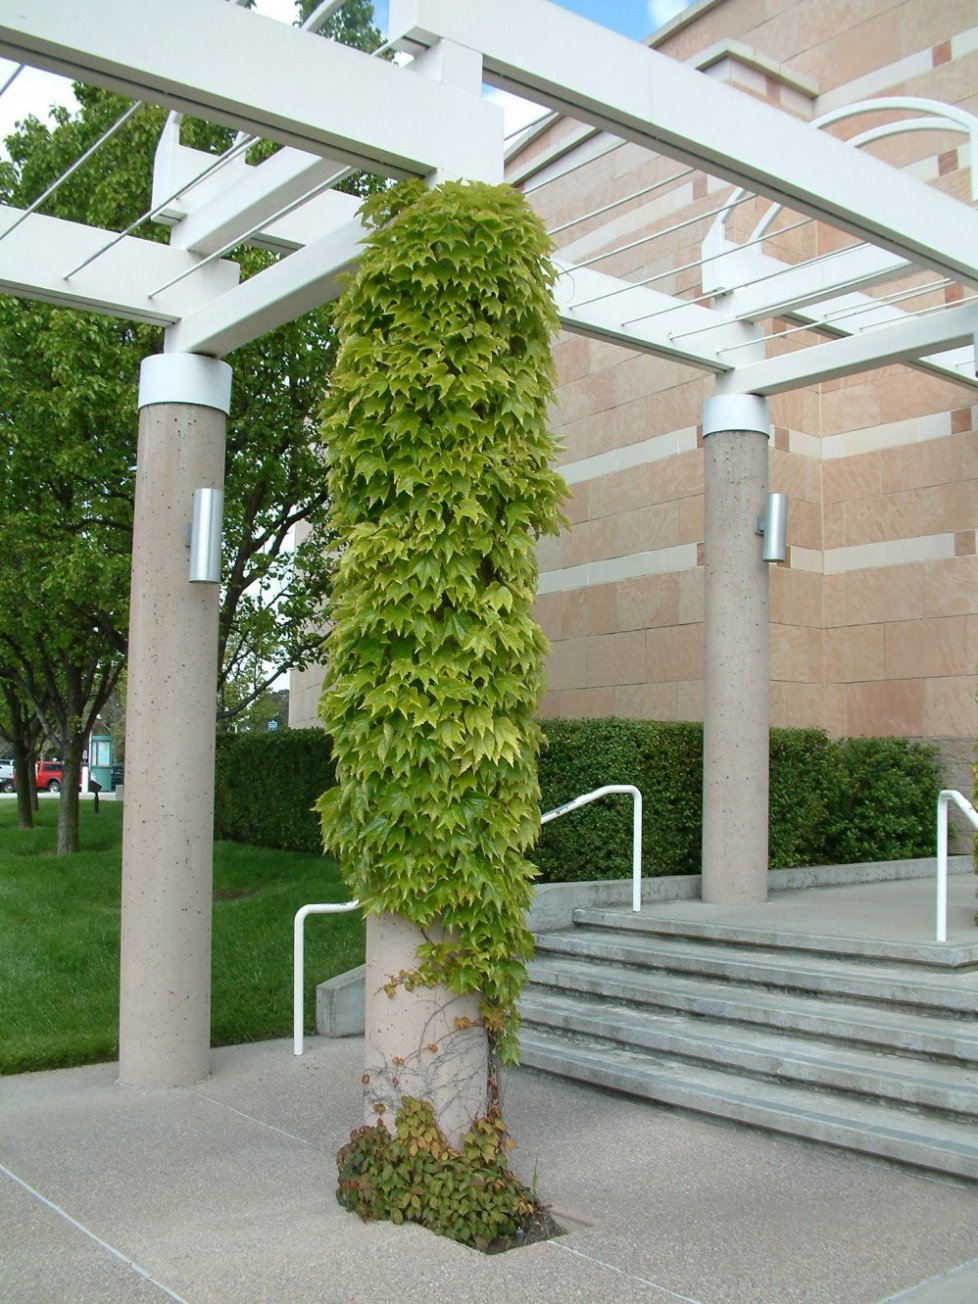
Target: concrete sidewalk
column 225, row 1192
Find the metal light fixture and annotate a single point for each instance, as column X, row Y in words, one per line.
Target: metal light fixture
column 773, row 525
column 205, row 536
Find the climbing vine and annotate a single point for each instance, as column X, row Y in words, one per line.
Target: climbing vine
column 440, row 481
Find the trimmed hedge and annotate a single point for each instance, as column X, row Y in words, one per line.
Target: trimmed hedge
column 267, row 785
column 832, row 802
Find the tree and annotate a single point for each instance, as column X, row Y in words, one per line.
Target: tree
column 68, row 386
column 23, row 729
column 440, row 482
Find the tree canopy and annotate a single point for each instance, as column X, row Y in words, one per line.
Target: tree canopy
column 68, row 384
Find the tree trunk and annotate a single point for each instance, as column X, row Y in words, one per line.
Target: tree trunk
column 424, row 1041
column 74, row 745
column 23, row 736
column 24, row 771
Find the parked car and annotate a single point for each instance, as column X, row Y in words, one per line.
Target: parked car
column 49, row 776
column 118, row 775
column 6, row 774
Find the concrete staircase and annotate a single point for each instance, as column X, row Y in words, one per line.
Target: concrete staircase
column 867, row 1045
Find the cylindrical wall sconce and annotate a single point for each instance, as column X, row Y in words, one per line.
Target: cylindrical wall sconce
column 774, row 527
column 205, row 536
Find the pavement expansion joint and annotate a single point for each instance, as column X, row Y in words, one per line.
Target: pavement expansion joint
column 87, row 1232
column 631, row 1276
column 259, row 1122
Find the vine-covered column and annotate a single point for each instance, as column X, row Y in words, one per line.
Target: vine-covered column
column 440, row 480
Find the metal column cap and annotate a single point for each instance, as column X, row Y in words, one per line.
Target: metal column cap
column 185, row 378
column 735, row 412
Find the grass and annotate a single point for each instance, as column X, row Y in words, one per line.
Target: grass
column 59, row 940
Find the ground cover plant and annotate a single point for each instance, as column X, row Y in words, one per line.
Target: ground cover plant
column 59, row 954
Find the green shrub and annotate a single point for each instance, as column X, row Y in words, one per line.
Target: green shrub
column 882, row 800
column 801, row 776
column 832, row 802
column 267, row 785
column 663, row 760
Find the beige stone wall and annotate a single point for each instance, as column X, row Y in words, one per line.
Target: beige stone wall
column 874, row 616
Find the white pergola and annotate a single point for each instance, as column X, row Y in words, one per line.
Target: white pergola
column 335, row 109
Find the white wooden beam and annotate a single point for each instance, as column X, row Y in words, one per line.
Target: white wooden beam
column 251, row 208
column 903, row 341
column 642, row 319
column 304, row 280
column 768, row 287
column 35, row 257
column 556, row 58
column 228, row 65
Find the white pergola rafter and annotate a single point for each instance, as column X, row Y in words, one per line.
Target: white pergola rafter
column 403, row 122
column 314, row 95
column 556, row 59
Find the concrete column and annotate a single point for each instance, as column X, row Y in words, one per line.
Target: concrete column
column 168, row 829
column 426, row 1043
column 735, row 707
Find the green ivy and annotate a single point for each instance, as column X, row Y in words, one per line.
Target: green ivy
column 414, row 1175
column 440, row 481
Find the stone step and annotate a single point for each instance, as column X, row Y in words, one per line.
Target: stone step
column 896, row 1029
column 731, row 1048
column 929, row 954
column 886, row 1131
column 770, row 968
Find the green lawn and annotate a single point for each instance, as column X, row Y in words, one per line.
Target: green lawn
column 59, row 940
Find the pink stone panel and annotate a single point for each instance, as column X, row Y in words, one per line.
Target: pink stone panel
column 801, row 706
column 926, row 648
column 689, row 703
column 845, row 478
column 951, row 586
column 854, row 653
column 591, row 703
column 914, row 466
column 949, row 707
column 547, row 612
column 691, row 524
column 890, row 593
column 590, row 611
column 644, row 529
column 889, row 709
column 834, row 600
column 795, row 653
column 647, row 602
column 566, row 666
column 691, row 596
column 648, row 701
column 802, row 596
column 674, row 653
column 948, row 507
column 616, row 659
column 894, row 516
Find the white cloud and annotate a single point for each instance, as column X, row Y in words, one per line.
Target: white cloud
column 660, row 11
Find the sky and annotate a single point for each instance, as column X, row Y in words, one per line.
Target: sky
column 34, row 92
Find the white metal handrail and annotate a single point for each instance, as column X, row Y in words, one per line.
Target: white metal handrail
column 588, row 797
column 299, row 958
column 946, row 796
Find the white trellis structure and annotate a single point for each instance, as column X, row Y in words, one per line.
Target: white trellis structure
column 335, row 109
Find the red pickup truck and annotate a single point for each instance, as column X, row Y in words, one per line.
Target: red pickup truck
column 49, row 776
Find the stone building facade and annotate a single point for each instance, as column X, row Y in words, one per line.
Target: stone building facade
column 874, row 613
